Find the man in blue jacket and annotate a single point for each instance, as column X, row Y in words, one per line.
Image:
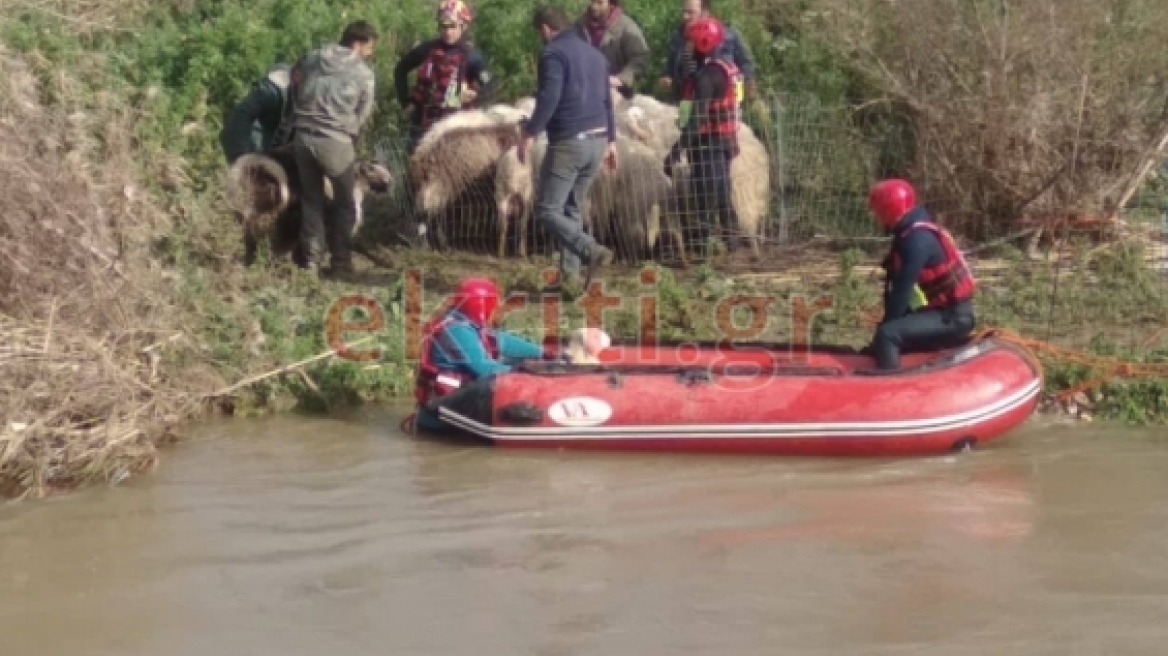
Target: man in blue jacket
column 460, row 346
column 680, row 62
column 574, row 105
column 928, row 302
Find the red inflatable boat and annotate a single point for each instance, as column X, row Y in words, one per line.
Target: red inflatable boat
column 757, row 399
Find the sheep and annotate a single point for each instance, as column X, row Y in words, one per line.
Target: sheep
column 263, row 191
column 625, row 208
column 655, row 124
column 628, row 206
column 651, row 122
column 526, row 105
column 507, row 114
column 586, row 344
column 515, row 190
column 461, row 163
column 750, row 173
column 469, row 118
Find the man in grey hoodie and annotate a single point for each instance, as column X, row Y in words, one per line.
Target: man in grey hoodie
column 332, row 102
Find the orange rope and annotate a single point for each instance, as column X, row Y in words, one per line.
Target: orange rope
column 1111, row 367
column 407, row 425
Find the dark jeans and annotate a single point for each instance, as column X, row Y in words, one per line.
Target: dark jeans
column 568, row 170
column 713, row 193
column 317, row 158
column 923, row 330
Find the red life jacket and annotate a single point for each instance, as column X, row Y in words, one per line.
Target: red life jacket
column 947, row 283
column 443, row 67
column 721, row 117
column 434, row 381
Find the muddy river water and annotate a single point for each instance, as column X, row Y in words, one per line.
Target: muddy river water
column 336, row 537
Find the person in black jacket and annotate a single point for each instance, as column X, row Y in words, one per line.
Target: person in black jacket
column 709, row 118
column 452, row 74
column 262, row 121
column 928, row 300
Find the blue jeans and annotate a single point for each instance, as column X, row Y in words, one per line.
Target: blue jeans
column 568, row 170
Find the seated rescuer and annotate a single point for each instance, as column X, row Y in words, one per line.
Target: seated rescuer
column 451, row 73
column 461, row 346
column 708, row 117
column 928, row 300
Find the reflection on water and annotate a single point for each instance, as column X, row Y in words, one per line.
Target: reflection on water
column 311, row 536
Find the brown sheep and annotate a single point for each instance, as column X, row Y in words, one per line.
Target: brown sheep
column 263, row 191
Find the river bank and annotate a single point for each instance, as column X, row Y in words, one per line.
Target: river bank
column 263, row 319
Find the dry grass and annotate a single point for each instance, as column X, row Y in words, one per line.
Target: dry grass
column 1045, row 107
column 91, row 341
column 83, row 17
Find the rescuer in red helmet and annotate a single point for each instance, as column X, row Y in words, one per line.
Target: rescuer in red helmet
column 928, row 299
column 461, row 346
column 708, row 118
column 452, row 73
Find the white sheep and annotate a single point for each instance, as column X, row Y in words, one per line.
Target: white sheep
column 625, row 208
column 629, row 206
column 460, row 165
column 514, row 192
column 654, row 124
column 586, row 345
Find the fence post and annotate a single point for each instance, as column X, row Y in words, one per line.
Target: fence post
column 780, row 184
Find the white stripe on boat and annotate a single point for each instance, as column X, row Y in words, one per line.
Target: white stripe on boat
column 777, row 430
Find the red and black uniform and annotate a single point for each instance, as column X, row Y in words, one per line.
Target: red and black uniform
column 710, row 140
column 925, row 255
column 714, row 122
column 439, row 66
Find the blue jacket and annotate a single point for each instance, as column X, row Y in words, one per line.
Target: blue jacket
column 572, row 94
column 458, row 346
column 917, row 250
column 679, row 64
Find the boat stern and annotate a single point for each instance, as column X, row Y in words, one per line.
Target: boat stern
column 472, row 409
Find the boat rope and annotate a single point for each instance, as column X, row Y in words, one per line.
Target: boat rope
column 1106, row 368
column 407, row 424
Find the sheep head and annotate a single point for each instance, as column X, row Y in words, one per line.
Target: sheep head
column 257, row 184
column 376, row 176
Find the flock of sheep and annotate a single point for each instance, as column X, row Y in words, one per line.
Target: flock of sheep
column 470, row 156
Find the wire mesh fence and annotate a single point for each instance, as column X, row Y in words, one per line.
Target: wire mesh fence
column 802, row 175
column 797, row 175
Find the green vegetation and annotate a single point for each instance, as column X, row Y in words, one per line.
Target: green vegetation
column 130, row 314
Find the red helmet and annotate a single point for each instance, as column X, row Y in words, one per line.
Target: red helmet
column 477, row 298
column 456, row 11
column 889, row 200
column 706, row 34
